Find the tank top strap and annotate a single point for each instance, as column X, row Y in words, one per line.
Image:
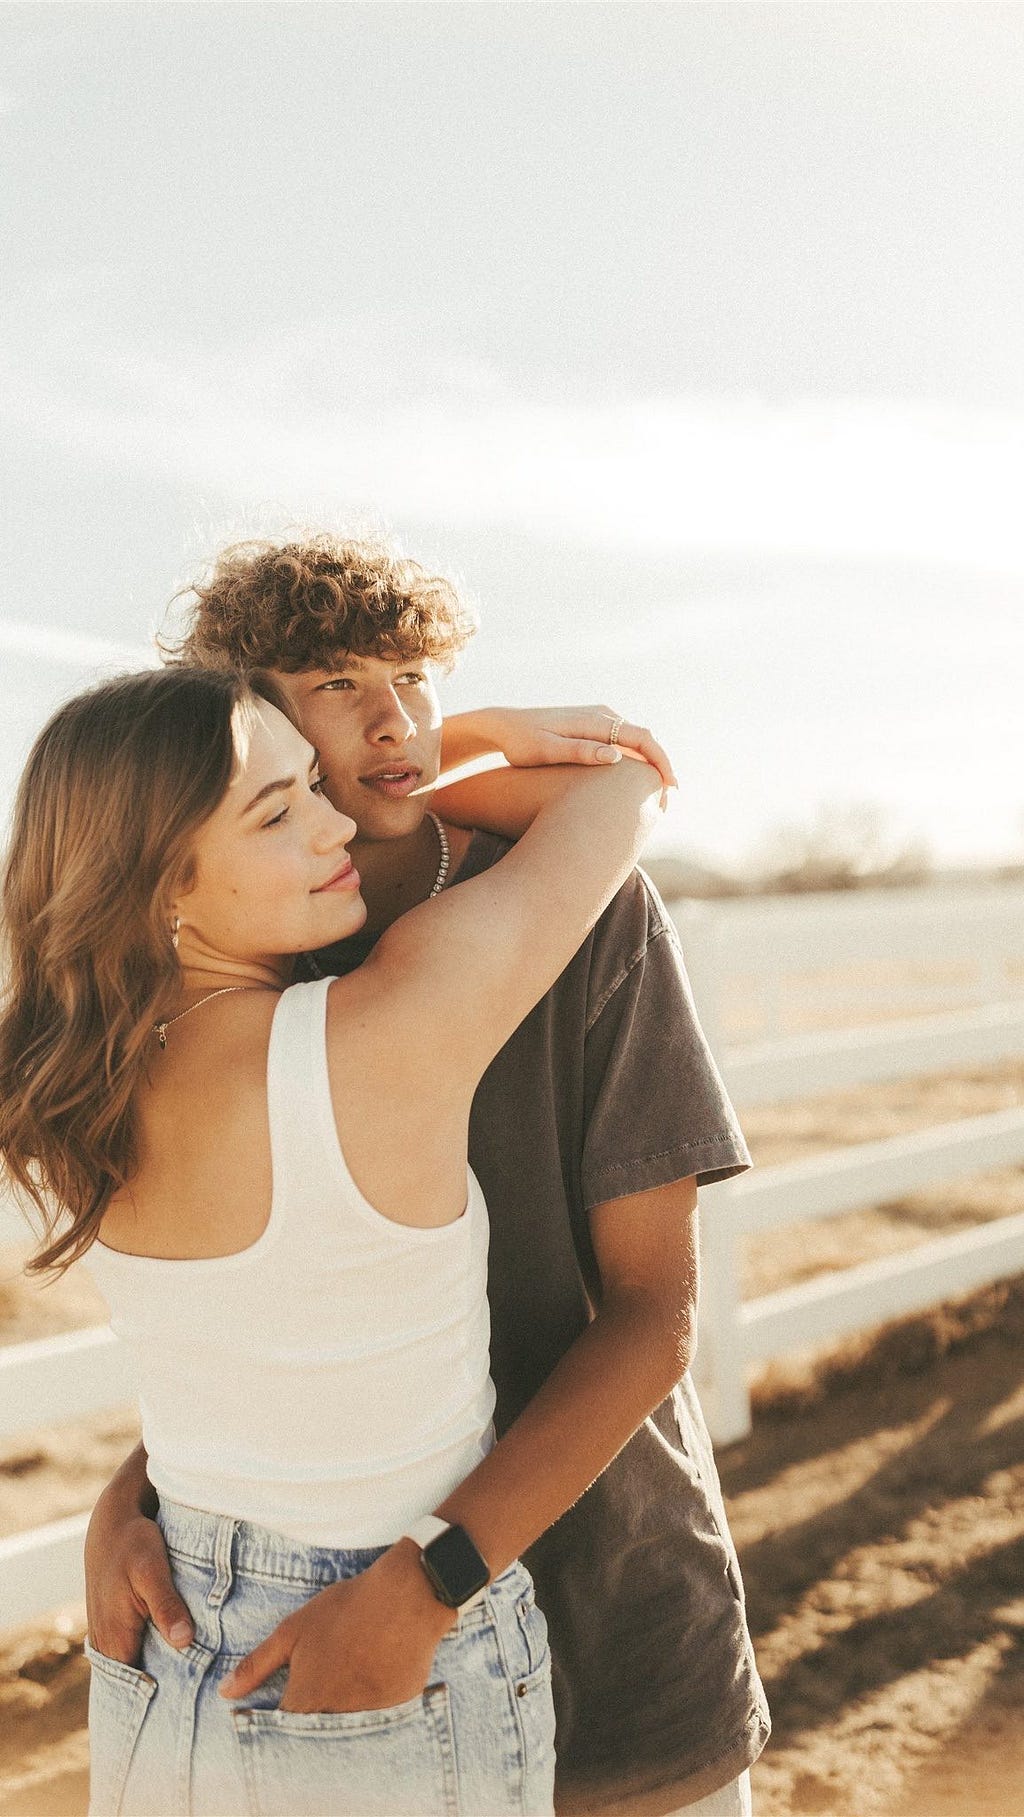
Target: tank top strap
column 300, row 1113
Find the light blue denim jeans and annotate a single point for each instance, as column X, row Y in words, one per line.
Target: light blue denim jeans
column 479, row 1742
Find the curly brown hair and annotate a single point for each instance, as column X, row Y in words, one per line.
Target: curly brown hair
column 302, row 604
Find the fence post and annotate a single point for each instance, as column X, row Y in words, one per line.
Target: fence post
column 719, row 1369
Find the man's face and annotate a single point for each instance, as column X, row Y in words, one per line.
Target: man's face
column 377, row 726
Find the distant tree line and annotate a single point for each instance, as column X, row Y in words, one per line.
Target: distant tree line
column 843, row 847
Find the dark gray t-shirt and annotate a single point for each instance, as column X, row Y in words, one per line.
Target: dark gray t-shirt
column 608, row 1089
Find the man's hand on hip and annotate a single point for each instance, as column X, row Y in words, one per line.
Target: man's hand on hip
column 127, row 1572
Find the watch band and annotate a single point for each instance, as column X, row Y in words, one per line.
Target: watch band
column 428, row 1527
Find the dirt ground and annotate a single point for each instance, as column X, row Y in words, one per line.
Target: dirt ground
column 878, row 1507
column 881, row 1533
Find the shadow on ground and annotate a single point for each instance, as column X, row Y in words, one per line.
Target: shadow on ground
column 882, row 1543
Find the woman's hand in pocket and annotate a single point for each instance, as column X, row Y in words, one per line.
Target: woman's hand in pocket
column 364, row 1644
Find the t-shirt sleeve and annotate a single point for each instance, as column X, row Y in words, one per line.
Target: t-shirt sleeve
column 656, row 1109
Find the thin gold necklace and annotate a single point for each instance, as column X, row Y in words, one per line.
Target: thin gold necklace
column 160, row 1028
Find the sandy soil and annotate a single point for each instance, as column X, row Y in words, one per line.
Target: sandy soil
column 877, row 1508
column 882, row 1542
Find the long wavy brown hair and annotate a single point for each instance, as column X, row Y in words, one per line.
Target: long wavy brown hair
column 112, row 797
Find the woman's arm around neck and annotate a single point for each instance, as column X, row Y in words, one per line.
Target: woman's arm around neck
column 462, row 971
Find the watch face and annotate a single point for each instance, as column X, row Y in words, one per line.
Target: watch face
column 455, row 1567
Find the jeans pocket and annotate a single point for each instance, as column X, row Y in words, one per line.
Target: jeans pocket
column 351, row 1763
column 119, row 1697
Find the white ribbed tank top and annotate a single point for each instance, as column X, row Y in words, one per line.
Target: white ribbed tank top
column 331, row 1381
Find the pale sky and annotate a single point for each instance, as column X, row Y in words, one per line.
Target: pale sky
column 692, row 335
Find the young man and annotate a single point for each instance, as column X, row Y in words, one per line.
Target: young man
column 590, row 1132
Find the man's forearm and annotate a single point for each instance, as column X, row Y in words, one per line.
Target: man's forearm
column 617, row 1371
column 465, row 737
column 610, row 1379
column 130, row 1488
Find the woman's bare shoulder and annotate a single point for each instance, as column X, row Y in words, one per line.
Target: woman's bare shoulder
column 202, row 1185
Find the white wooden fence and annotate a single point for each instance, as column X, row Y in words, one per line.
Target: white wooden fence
column 772, row 967
column 762, row 971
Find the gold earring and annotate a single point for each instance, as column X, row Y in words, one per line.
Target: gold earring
column 175, row 932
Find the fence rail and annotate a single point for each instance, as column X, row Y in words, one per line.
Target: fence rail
column 773, row 952
column 867, row 1294
column 41, row 1569
column 766, row 1072
column 867, row 1173
column 763, row 963
column 59, row 1378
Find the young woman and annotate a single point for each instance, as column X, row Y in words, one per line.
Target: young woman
column 273, row 1185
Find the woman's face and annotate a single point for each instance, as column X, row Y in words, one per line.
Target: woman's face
column 272, row 875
